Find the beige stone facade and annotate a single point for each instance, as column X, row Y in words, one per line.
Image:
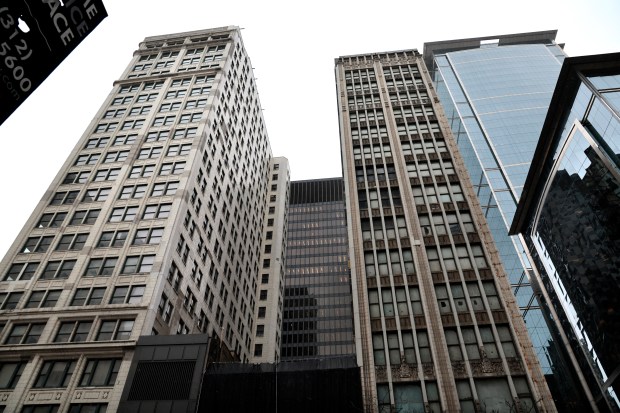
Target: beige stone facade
column 155, row 224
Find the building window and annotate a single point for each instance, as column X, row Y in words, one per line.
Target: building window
column 127, row 295
column 88, row 408
column 179, row 150
column 97, row 143
column 127, row 213
column 115, row 156
column 157, row 211
column 43, row 298
column 100, row 372
column 57, row 269
column 165, row 308
column 64, row 198
column 150, row 153
column 265, row 279
column 157, row 136
column 172, row 168
column 22, row 271
column 114, row 330
column 258, row 350
column 133, row 191
column 164, row 120
column 71, row 242
column 138, row 264
column 98, row 267
column 73, row 331
column 124, row 140
column 88, row 296
column 55, row 374
column 40, row 408
column 112, row 239
column 51, row 220
column 85, row 217
column 261, row 312
column 190, row 117
column 25, row 333
column 37, row 244
column 183, row 133
column 10, row 372
column 141, row 171
column 148, row 236
column 9, row 301
column 165, row 188
column 260, row 330
column 263, row 295
column 96, row 195
column 76, row 178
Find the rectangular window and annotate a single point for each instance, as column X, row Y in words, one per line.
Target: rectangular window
column 115, row 156
column 138, row 264
column 184, row 133
column 88, row 296
column 87, row 159
column 124, row 140
column 114, row 330
column 164, row 120
column 21, row 271
column 76, row 177
column 25, row 333
column 158, row 136
column 37, row 244
column 97, row 143
column 57, row 269
column 179, row 150
column 165, row 188
column 150, row 153
column 157, row 211
column 100, row 267
column 85, row 217
column 55, row 374
column 112, row 239
column 96, row 195
column 86, row 408
column 43, row 298
column 51, row 220
column 141, row 171
column 71, row 242
column 100, row 372
column 127, row 213
column 10, row 372
column 73, row 331
column 127, row 294
column 172, row 168
column 148, row 236
column 64, row 198
column 133, row 191
column 190, row 117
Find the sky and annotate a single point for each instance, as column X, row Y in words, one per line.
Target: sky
column 292, row 46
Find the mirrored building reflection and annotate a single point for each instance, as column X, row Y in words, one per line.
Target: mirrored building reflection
column 568, row 216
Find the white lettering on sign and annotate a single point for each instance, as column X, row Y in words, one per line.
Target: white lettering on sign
column 76, row 14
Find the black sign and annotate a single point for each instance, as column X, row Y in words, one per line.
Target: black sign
column 35, row 36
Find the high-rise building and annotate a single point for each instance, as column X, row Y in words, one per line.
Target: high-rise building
column 568, row 218
column 495, row 91
column 166, row 218
column 318, row 311
column 438, row 327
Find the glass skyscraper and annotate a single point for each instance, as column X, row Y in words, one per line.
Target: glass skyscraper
column 496, row 92
column 568, row 217
column 318, row 311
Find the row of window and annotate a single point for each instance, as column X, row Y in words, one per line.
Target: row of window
column 58, row 373
column 134, row 264
column 105, row 127
column 102, row 142
column 137, row 171
column 74, row 331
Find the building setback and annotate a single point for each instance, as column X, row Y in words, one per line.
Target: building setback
column 568, row 218
column 318, row 312
column 438, row 327
column 159, row 222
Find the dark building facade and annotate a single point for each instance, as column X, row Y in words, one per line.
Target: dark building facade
column 318, row 318
column 568, row 216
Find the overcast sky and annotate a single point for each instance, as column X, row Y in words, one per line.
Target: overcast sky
column 292, row 46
